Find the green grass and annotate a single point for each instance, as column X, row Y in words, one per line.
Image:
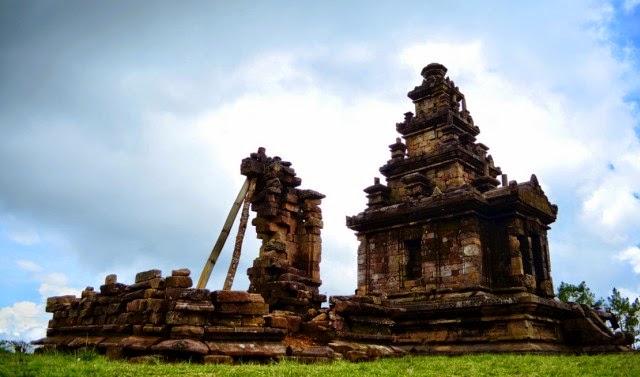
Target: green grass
column 472, row 365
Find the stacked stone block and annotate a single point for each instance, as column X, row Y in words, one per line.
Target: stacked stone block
column 166, row 316
column 288, row 221
column 363, row 318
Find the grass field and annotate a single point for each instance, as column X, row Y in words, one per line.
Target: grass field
column 473, row 365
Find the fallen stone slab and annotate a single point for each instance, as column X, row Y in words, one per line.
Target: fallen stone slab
column 182, row 345
column 139, row 343
column 148, row 275
column 321, row 352
column 248, row 349
column 85, row 341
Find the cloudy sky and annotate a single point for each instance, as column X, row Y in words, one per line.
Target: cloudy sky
column 122, row 127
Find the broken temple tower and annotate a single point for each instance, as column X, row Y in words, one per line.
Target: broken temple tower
column 288, row 221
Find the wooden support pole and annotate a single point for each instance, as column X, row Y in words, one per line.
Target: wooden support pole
column 222, row 238
column 237, row 249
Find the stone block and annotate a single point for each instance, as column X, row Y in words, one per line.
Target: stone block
column 247, row 349
column 179, row 282
column 110, row 279
column 156, row 318
column 181, row 272
column 173, row 293
column 319, row 352
column 357, row 356
column 150, row 329
column 293, row 323
column 250, row 321
column 137, row 305
column 250, row 308
column 343, row 347
column 195, row 294
column 187, row 318
column 156, row 305
column 154, row 293
column 228, row 321
column 85, row 341
column 147, row 275
column 193, row 306
column 182, row 346
column 155, row 283
column 279, row 322
column 116, row 308
column 139, row 343
column 230, row 296
column 187, row 332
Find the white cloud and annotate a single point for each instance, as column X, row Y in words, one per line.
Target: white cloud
column 610, row 206
column 29, row 265
column 631, row 294
column 23, row 321
column 56, row 284
column 27, row 320
column 26, row 238
column 631, row 255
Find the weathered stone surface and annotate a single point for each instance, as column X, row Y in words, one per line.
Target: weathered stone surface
column 112, row 289
column 148, row 305
column 139, row 343
column 148, row 275
column 182, row 345
column 247, row 349
column 181, row 272
column 155, row 283
column 110, row 279
column 293, row 323
column 87, row 341
column 185, row 331
column 250, row 321
column 356, row 356
column 319, row 352
column 249, row 308
column 194, row 306
column 194, row 294
column 174, row 293
column 231, row 296
column 179, row 281
column 276, row 321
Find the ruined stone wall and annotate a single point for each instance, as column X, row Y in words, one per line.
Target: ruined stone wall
column 288, row 221
column 165, row 316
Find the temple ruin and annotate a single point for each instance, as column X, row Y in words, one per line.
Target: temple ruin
column 453, row 258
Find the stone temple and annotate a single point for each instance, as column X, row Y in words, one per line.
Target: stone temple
column 453, row 258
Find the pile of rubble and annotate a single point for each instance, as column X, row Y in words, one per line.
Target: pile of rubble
column 166, row 318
